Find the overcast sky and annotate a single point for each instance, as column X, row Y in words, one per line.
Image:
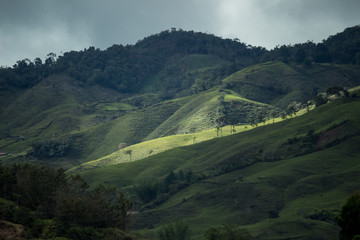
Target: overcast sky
column 34, row 28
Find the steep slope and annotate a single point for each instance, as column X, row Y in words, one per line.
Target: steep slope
column 274, row 180
column 204, row 111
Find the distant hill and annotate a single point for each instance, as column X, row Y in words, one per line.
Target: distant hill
column 279, row 84
column 80, row 106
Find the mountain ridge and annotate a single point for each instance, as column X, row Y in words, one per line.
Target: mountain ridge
column 72, row 100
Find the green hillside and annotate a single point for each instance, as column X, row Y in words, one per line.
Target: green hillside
column 202, row 112
column 192, row 123
column 271, row 179
column 80, row 106
column 191, row 126
column 65, row 111
column 278, row 84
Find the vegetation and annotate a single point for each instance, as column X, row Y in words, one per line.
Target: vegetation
column 76, row 121
column 189, row 126
column 285, row 174
column 227, row 232
column 175, row 231
column 50, row 204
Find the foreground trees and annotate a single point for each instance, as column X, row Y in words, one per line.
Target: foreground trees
column 42, row 197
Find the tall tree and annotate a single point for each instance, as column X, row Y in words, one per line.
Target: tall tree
column 349, row 219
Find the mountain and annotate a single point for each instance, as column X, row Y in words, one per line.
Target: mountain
column 194, row 126
column 82, row 105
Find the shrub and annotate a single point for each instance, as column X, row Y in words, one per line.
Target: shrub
column 147, row 191
column 227, row 232
column 175, row 231
column 323, row 215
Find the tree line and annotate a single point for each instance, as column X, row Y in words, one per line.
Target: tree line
column 127, row 68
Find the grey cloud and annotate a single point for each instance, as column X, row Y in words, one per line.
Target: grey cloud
column 37, row 27
column 277, row 22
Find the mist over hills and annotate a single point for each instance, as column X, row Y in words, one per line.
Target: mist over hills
column 136, row 107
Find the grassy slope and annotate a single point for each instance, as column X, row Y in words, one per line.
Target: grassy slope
column 279, row 84
column 130, row 128
column 95, row 120
column 294, row 186
column 196, row 116
column 145, row 149
column 63, row 109
column 91, row 119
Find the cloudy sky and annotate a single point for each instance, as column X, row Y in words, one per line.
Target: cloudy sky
column 34, row 28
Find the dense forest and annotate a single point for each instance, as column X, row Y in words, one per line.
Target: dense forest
column 49, row 204
column 127, row 68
